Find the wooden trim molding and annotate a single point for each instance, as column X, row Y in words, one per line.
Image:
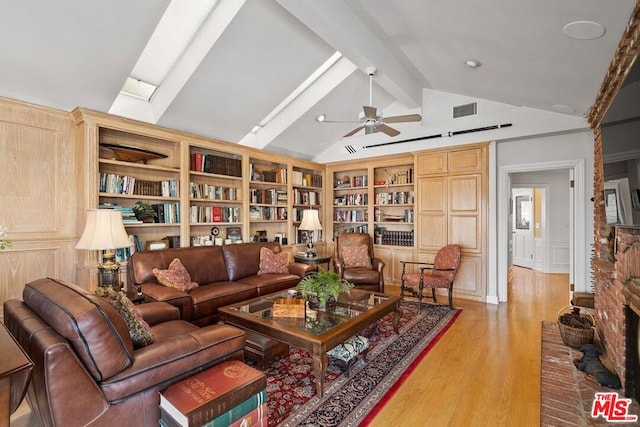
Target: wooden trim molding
column 621, row 63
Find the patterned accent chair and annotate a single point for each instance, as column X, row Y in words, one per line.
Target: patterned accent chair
column 440, row 274
column 354, row 261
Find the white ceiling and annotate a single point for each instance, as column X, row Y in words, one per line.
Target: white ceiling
column 251, row 55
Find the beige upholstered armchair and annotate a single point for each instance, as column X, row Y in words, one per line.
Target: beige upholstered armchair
column 354, row 261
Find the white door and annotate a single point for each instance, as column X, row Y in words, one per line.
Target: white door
column 522, row 227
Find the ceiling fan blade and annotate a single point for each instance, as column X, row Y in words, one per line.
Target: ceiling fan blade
column 370, row 113
column 353, row 132
column 388, row 130
column 406, row 118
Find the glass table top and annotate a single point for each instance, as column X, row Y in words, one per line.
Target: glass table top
column 316, row 322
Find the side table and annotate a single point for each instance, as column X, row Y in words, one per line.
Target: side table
column 15, row 374
column 314, row 260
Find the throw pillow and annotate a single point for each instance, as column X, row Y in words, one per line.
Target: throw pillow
column 272, row 263
column 356, row 256
column 139, row 329
column 176, row 276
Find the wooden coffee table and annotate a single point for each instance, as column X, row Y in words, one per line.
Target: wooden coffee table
column 318, row 331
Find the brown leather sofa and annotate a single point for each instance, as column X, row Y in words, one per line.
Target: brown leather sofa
column 225, row 275
column 87, row 371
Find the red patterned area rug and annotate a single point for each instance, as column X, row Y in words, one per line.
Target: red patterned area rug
column 354, row 400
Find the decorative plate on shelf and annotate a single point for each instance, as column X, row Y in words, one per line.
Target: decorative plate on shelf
column 132, row 154
column 393, row 218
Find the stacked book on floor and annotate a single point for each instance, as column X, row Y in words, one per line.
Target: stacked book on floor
column 228, row 394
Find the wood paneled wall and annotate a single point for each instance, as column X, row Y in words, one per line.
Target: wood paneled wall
column 37, row 195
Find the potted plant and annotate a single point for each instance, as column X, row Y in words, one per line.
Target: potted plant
column 322, row 287
column 144, row 212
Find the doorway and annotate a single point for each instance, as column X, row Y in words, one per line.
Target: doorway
column 577, row 250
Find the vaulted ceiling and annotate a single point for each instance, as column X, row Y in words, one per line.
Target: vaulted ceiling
column 259, row 72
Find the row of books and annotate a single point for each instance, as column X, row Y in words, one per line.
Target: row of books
column 228, row 394
column 349, row 228
column 214, row 192
column 352, row 181
column 394, row 198
column 397, row 238
column 128, row 217
column 277, row 175
column 200, row 214
column 298, row 213
column 302, row 236
column 167, row 213
column 210, row 163
column 123, row 254
column 128, row 185
column 267, row 213
column 355, row 199
column 302, row 197
column 267, row 196
column 306, row 179
column 350, row 216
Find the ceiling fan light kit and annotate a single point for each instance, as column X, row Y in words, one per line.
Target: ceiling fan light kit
column 372, row 121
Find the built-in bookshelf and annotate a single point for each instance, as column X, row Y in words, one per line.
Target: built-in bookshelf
column 307, row 193
column 351, row 201
column 377, row 196
column 136, row 168
column 215, row 195
column 268, row 199
column 204, row 191
column 394, row 199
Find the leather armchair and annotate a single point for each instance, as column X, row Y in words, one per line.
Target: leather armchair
column 87, row 371
column 370, row 278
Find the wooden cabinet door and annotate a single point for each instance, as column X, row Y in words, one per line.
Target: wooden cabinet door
column 386, row 256
column 431, row 163
column 396, row 266
column 431, row 230
column 465, row 213
column 464, row 161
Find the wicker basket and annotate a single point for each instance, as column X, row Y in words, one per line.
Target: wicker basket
column 576, row 337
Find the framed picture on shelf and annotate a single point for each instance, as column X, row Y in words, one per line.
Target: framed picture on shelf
column 234, row 234
column 157, row 245
column 261, row 236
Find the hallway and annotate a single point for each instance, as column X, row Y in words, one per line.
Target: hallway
column 485, row 371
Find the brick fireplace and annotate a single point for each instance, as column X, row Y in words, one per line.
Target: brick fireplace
column 617, row 305
column 616, row 256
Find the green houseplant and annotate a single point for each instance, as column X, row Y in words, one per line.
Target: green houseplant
column 324, row 285
column 144, row 211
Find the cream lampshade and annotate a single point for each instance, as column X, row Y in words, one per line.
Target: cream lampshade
column 311, row 223
column 104, row 230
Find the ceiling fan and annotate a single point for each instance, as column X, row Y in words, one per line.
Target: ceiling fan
column 372, row 121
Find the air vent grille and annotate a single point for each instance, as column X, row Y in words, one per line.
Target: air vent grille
column 465, row 110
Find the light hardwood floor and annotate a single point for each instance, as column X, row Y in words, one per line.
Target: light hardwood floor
column 485, row 371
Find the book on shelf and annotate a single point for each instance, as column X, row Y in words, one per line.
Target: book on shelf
column 206, row 395
column 219, row 165
column 247, row 413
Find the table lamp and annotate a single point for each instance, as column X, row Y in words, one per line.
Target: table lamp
column 310, row 222
column 104, row 231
